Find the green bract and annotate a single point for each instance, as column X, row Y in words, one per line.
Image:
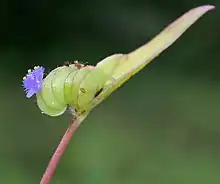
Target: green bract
column 84, row 87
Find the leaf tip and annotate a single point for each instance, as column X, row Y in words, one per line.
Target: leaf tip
column 207, row 7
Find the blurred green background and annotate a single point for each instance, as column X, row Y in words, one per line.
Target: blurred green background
column 162, row 127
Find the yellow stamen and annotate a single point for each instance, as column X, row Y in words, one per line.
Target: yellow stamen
column 24, row 77
column 36, row 67
column 29, row 71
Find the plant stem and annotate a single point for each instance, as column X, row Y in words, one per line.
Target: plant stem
column 48, row 174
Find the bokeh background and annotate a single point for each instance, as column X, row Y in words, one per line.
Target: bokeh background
column 162, row 127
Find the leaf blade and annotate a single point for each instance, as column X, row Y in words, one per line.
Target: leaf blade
column 146, row 53
column 134, row 61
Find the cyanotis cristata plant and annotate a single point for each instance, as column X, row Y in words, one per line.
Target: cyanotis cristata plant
column 83, row 87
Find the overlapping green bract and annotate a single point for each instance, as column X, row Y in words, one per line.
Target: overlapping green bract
column 85, row 87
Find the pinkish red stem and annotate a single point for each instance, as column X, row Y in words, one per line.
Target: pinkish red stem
column 48, row 174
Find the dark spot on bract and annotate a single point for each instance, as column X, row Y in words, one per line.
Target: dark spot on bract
column 78, row 65
column 82, row 90
column 98, row 92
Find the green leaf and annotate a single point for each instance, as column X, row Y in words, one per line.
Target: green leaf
column 129, row 64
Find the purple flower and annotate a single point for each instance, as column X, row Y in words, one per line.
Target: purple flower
column 33, row 81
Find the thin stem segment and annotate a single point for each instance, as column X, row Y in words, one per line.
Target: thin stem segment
column 48, row 174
